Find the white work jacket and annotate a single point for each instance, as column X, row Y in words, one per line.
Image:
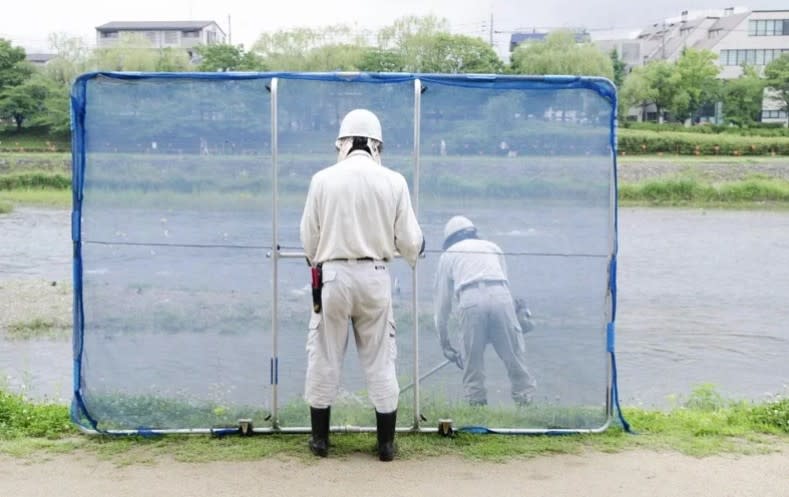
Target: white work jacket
column 467, row 261
column 356, row 209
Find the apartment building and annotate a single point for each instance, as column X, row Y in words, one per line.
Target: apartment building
column 162, row 34
column 756, row 40
column 737, row 36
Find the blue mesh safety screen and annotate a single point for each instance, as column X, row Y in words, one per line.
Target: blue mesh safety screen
column 192, row 294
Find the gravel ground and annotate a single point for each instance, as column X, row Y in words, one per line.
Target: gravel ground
column 25, row 300
column 636, row 170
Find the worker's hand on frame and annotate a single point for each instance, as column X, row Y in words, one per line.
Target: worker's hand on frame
column 451, row 354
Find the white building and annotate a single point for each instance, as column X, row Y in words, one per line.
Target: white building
column 162, row 34
column 756, row 40
column 737, row 36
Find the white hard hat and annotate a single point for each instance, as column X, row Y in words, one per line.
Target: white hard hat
column 457, row 223
column 361, row 122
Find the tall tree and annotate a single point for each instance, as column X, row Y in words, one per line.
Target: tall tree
column 414, row 38
column 171, row 59
column 224, row 57
column 289, row 50
column 136, row 53
column 380, row 60
column 664, row 80
column 460, row 54
column 71, row 59
column 560, row 53
column 698, row 83
column 742, row 98
column 777, row 74
column 24, row 102
column 343, row 57
column 636, row 91
column 619, row 66
column 407, row 29
column 14, row 70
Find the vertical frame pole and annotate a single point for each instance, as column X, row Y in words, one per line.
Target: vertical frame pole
column 275, row 259
column 415, row 272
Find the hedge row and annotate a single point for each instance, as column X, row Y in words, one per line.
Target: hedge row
column 653, row 142
column 757, row 129
column 36, row 180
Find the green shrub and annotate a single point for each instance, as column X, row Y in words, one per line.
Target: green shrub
column 683, row 190
column 772, row 415
column 36, row 139
column 757, row 129
column 21, row 418
column 35, row 181
column 670, row 142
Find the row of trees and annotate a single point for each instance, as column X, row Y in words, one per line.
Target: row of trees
column 409, row 44
column 689, row 87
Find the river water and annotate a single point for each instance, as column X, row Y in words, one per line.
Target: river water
column 702, row 298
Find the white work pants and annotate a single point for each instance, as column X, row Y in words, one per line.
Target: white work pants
column 487, row 316
column 359, row 292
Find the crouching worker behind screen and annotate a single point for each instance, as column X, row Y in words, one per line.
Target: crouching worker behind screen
column 472, row 273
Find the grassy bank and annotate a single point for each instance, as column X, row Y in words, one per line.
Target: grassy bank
column 688, row 190
column 725, row 182
column 33, row 140
column 705, row 424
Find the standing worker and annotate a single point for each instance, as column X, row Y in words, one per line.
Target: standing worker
column 474, row 271
column 357, row 214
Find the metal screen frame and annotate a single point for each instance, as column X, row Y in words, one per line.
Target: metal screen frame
column 601, row 86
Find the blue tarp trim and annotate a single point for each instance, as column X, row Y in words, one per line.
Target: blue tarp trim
column 611, row 328
column 484, row 430
column 78, row 98
column 610, row 339
column 602, row 86
column 79, row 409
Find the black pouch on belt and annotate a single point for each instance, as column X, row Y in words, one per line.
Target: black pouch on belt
column 317, row 287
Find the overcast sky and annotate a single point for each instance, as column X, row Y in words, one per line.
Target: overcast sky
column 28, row 22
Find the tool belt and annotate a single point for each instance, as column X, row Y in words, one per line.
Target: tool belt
column 317, row 287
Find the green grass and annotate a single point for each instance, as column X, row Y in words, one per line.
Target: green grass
column 688, row 190
column 42, row 179
column 43, row 197
column 704, row 424
column 690, row 160
column 38, row 328
column 33, row 139
column 35, row 181
column 20, row 418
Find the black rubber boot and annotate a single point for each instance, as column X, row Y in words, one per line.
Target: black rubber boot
column 386, row 433
column 319, row 442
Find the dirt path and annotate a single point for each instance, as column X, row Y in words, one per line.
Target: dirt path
column 593, row 474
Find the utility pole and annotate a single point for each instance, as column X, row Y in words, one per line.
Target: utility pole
column 229, row 31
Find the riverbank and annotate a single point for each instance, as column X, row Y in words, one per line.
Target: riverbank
column 630, row 169
column 699, row 450
column 709, row 182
